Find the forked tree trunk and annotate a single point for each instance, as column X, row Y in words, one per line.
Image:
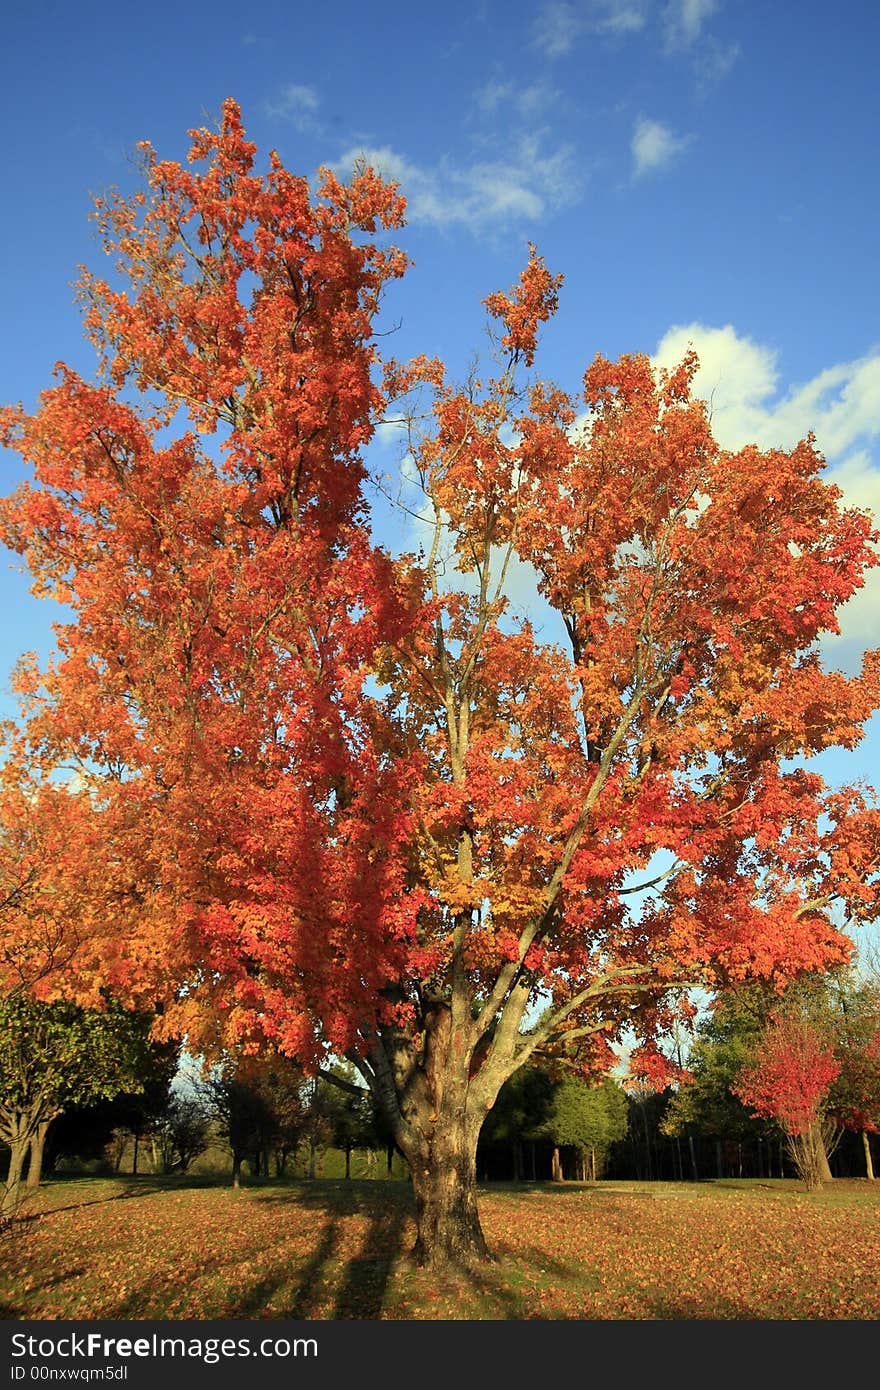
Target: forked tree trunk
column 825, row 1173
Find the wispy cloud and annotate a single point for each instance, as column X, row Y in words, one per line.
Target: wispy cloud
column 528, row 101
column 684, row 32
column 841, row 405
column 559, row 25
column 296, row 103
column 556, row 29
column 678, row 28
column 620, row 16
column 654, row 146
column 527, row 183
column 683, row 21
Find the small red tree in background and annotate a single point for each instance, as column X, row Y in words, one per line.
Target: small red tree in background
column 789, row 1082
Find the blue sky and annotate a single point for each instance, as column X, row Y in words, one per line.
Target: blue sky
column 700, row 171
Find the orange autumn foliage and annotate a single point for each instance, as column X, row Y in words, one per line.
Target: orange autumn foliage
column 379, row 810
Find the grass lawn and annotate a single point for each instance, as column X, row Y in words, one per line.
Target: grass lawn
column 155, row 1248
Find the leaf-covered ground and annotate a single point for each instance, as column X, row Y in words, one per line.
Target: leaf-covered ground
column 142, row 1248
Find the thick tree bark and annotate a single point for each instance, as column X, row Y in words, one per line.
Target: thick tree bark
column 449, row 1233
column 435, row 1108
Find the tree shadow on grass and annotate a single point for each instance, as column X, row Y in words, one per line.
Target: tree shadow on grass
column 144, row 1188
column 326, row 1284
column 361, row 1292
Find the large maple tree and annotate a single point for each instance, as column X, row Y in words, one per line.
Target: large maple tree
column 368, row 807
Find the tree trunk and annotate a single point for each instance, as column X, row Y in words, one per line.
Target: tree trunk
column 19, row 1142
column 449, row 1233
column 134, row 1157
column 693, row 1153
column 236, row 1169
column 825, row 1173
column 37, row 1147
column 869, row 1166
column 348, row 1161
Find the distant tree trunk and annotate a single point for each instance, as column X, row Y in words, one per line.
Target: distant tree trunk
column 694, row 1170
column 348, row 1160
column 236, row 1169
column 869, row 1166
column 592, row 1165
column 134, row 1156
column 719, row 1158
column 556, row 1166
column 389, row 1154
column 313, row 1149
column 37, row 1146
column 533, row 1165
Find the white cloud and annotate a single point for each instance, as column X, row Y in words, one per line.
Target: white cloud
column 296, row 103
column 840, row 405
column 525, row 185
column 654, row 146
